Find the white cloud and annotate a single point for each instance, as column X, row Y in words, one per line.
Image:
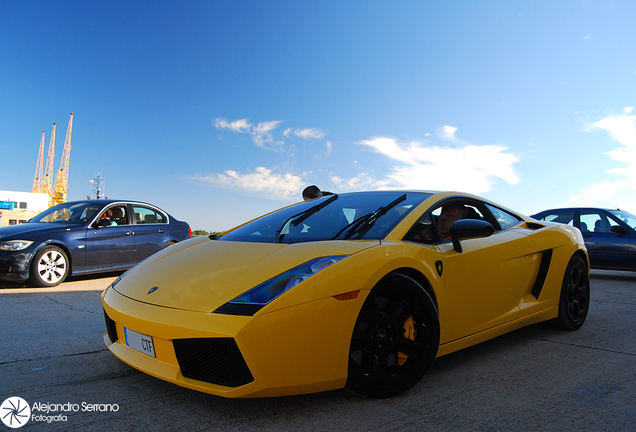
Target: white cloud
column 237, row 126
column 623, row 129
column 605, row 194
column 363, row 181
column 448, row 133
column 621, row 191
column 264, row 128
column 305, row 134
column 262, row 181
column 463, row 167
column 261, row 133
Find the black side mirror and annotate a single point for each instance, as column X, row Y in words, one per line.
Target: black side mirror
column 467, row 229
column 102, row 223
column 620, row 230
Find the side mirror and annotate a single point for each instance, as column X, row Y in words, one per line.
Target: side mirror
column 469, row 228
column 102, row 223
column 620, row 230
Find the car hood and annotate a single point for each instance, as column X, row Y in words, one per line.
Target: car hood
column 25, row 231
column 201, row 275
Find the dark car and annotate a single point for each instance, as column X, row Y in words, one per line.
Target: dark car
column 88, row 236
column 610, row 235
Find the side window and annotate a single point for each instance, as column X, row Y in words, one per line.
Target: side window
column 596, row 222
column 119, row 215
column 560, row 216
column 625, row 217
column 505, row 219
column 115, row 215
column 146, row 215
column 434, row 226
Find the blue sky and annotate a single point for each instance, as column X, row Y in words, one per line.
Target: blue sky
column 219, row 111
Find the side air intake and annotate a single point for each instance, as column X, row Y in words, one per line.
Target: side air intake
column 546, row 259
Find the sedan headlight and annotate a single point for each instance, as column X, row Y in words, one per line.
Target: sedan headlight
column 253, row 300
column 15, row 245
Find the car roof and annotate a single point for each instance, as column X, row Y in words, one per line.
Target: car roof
column 578, row 208
column 106, row 201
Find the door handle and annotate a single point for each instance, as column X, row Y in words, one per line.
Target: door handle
column 161, row 230
column 129, row 233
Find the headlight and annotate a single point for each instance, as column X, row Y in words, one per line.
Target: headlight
column 116, row 281
column 15, row 245
column 253, row 300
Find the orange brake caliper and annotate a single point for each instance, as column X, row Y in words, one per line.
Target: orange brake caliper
column 409, row 333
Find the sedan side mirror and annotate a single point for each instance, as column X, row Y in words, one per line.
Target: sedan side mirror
column 620, row 230
column 102, row 223
column 469, row 228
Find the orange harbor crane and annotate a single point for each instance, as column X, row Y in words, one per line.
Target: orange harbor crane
column 61, row 183
column 44, row 184
column 47, row 183
column 39, row 169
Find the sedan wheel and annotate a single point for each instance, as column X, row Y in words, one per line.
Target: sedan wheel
column 50, row 267
column 395, row 339
column 575, row 295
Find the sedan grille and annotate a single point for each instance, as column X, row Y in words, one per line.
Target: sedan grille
column 213, row 360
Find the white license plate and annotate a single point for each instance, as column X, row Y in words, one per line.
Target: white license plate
column 140, row 342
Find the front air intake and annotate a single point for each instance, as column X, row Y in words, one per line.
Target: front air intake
column 213, row 360
column 111, row 328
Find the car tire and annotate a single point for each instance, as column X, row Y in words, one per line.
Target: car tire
column 574, row 301
column 395, row 338
column 49, row 267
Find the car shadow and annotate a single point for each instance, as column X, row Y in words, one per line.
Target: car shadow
column 27, row 284
column 626, row 276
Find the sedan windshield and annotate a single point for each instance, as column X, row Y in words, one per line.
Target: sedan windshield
column 68, row 213
column 363, row 215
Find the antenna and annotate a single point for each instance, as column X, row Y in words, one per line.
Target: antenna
column 98, row 186
column 599, row 202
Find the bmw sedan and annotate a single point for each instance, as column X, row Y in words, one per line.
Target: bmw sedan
column 82, row 237
column 610, row 235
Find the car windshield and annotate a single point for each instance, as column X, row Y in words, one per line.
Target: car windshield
column 626, row 217
column 363, row 215
column 68, row 213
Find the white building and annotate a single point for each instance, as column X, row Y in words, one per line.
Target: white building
column 19, row 207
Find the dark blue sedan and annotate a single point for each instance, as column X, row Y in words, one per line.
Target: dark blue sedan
column 88, row 236
column 610, row 235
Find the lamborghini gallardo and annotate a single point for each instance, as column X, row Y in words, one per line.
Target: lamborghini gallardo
column 361, row 291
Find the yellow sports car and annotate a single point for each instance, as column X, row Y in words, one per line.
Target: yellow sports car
column 358, row 290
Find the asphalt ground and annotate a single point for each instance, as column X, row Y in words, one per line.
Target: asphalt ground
column 536, row 378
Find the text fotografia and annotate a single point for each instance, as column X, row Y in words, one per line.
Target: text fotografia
column 15, row 411
column 69, row 407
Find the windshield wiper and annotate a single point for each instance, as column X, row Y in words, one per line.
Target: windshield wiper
column 365, row 223
column 302, row 216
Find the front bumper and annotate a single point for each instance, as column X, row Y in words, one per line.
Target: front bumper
column 14, row 266
column 290, row 351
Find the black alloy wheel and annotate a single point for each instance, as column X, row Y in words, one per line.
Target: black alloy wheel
column 395, row 338
column 575, row 295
